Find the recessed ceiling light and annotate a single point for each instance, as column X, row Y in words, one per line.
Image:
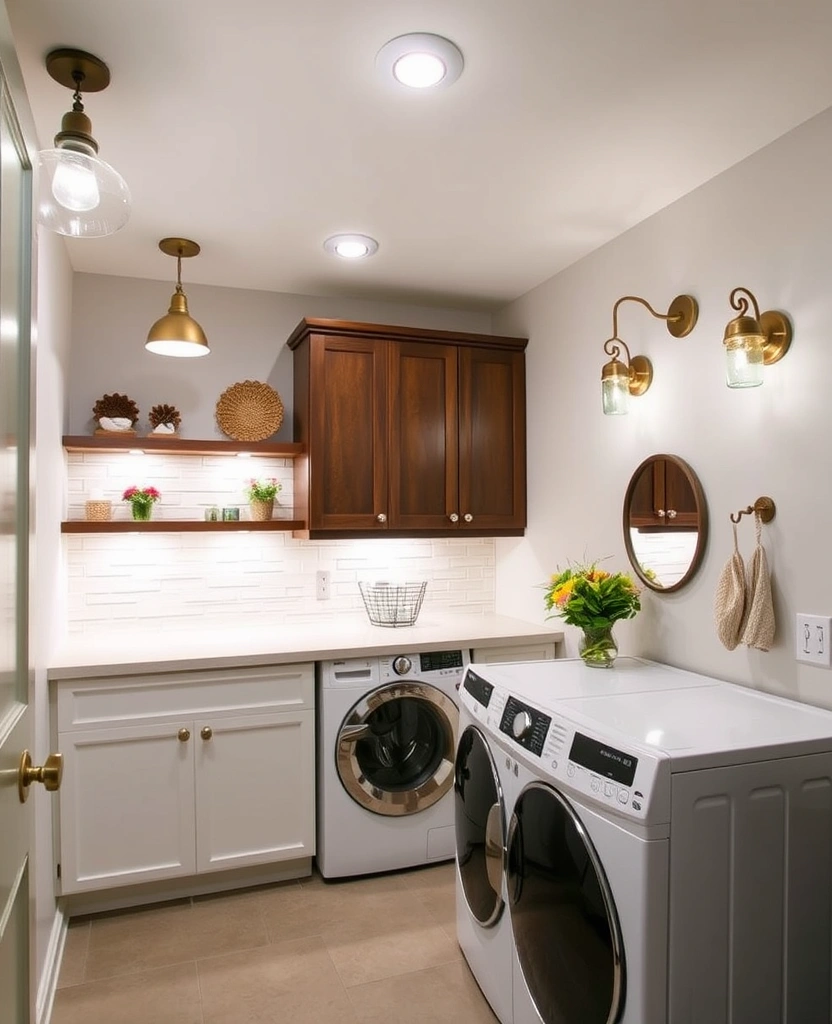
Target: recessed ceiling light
column 420, row 60
column 351, row 247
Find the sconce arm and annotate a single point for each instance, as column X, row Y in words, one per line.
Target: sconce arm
column 740, row 303
column 611, row 347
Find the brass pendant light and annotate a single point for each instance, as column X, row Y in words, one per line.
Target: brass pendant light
column 177, row 333
column 79, row 195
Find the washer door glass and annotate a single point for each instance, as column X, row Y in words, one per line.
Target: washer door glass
column 480, row 827
column 562, row 913
column 395, row 749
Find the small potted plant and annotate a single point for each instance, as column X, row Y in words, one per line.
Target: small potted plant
column 261, row 493
column 141, row 501
column 587, row 597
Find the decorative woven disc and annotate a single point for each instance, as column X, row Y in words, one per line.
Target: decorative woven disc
column 249, row 411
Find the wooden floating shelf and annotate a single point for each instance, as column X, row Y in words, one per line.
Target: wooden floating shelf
column 180, row 526
column 180, row 446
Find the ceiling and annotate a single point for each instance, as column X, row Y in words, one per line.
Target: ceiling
column 260, row 127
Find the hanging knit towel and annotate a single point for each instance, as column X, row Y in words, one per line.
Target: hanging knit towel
column 729, row 602
column 758, row 630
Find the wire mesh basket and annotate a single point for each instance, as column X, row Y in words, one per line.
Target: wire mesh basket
column 390, row 604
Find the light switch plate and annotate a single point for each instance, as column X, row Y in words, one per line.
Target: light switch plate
column 812, row 636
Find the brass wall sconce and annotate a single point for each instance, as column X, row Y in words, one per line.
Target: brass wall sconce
column 753, row 341
column 177, row 333
column 79, row 195
column 620, row 380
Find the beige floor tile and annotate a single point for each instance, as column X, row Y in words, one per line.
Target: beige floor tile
column 139, row 939
column 74, row 959
column 435, row 888
column 285, row 983
column 440, row 995
column 169, row 995
column 389, row 881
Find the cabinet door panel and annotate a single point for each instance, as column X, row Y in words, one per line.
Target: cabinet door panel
column 348, row 433
column 255, row 790
column 126, row 806
column 423, row 436
column 492, row 439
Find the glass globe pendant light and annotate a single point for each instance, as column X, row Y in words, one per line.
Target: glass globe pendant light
column 177, row 333
column 79, row 195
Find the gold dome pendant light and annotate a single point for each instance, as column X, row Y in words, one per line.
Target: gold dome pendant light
column 177, row 333
column 79, row 195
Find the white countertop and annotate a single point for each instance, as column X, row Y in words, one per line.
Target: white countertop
column 84, row 656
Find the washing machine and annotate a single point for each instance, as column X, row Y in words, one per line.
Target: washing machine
column 387, row 731
column 668, row 850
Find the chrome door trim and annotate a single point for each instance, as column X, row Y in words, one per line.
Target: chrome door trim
column 499, row 804
column 355, row 727
column 606, row 893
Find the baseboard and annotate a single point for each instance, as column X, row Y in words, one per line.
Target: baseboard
column 48, row 982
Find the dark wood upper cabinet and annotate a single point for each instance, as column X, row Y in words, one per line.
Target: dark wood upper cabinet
column 409, row 431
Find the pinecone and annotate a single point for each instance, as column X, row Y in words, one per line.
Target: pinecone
column 167, row 414
column 115, row 406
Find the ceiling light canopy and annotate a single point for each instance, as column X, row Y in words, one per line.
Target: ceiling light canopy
column 420, row 60
column 79, row 194
column 177, row 333
column 351, row 247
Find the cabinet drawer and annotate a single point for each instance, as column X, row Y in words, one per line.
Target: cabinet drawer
column 98, row 703
column 544, row 651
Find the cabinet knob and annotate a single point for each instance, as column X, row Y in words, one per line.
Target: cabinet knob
column 49, row 773
column 468, row 517
column 206, row 732
column 381, row 517
column 454, row 518
column 660, row 513
column 671, row 513
column 183, row 735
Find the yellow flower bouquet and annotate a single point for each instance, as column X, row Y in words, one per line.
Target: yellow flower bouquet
column 592, row 599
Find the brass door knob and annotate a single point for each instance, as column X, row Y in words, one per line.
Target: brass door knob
column 381, row 517
column 49, row 773
column 660, row 513
column 468, row 517
column 454, row 518
column 206, row 732
column 671, row 513
column 183, row 735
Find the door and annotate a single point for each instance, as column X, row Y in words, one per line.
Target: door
column 16, row 881
column 492, row 439
column 424, row 443
column 394, row 752
column 255, row 789
column 563, row 917
column 347, row 433
column 480, row 820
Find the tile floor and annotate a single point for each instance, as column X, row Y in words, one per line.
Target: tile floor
column 378, row 950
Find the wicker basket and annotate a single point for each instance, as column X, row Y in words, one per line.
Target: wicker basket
column 390, row 604
column 96, row 511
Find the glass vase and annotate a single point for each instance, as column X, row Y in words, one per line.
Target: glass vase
column 141, row 511
column 598, row 648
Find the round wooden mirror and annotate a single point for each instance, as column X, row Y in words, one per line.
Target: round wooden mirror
column 665, row 523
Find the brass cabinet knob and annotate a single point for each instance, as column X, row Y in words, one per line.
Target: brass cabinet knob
column 671, row 513
column 49, row 773
column 454, row 518
column 206, row 732
column 660, row 513
column 381, row 517
column 468, row 517
column 183, row 735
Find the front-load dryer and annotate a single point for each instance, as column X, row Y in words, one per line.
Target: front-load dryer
column 669, row 849
column 387, row 731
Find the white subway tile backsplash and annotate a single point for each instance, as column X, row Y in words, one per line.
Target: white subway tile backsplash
column 182, row 581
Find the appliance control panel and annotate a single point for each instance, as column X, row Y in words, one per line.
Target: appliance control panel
column 525, row 725
column 445, row 665
column 479, row 688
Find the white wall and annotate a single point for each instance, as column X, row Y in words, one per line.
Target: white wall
column 48, row 587
column 766, row 224
column 246, row 330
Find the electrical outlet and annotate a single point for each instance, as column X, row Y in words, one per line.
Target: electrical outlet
column 322, row 585
column 812, row 638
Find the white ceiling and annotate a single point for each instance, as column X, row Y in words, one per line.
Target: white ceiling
column 260, row 127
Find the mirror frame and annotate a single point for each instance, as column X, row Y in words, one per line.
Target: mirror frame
column 701, row 511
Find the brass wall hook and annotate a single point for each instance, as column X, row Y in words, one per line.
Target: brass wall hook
column 764, row 507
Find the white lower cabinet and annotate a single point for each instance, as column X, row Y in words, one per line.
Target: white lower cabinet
column 544, row 651
column 184, row 774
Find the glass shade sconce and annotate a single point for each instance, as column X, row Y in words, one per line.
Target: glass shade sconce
column 79, row 195
column 177, row 333
column 620, row 380
column 752, row 342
